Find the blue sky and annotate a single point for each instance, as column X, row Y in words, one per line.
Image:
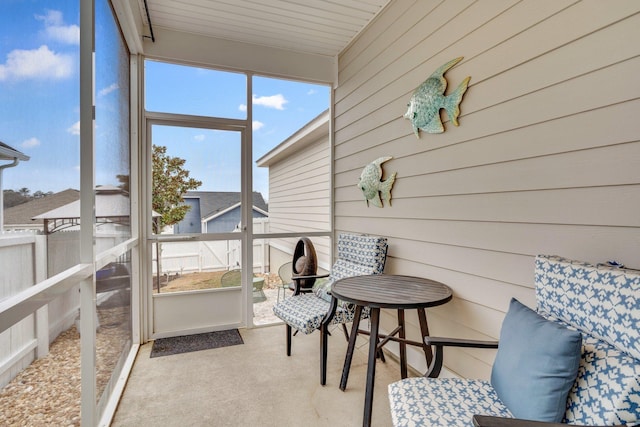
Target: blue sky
column 280, row 107
column 39, row 103
column 39, row 97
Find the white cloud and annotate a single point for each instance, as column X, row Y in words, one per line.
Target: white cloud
column 52, row 18
column 242, row 107
column 30, row 143
column 40, row 63
column 109, row 89
column 312, row 92
column 55, row 29
column 74, row 129
column 273, row 101
column 199, row 137
column 257, row 125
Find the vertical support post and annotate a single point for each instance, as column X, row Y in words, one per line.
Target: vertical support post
column 1, row 204
column 135, row 198
column 42, row 314
column 246, row 184
column 87, row 213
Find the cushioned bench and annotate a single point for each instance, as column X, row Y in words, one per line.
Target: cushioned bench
column 575, row 360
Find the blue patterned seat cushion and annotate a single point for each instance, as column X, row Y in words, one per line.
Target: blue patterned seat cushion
column 607, row 390
column 305, row 312
column 445, row 402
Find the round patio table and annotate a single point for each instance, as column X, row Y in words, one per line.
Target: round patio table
column 392, row 292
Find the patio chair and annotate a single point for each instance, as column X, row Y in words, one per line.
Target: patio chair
column 234, row 278
column 231, row 278
column 285, row 272
column 574, row 360
column 357, row 255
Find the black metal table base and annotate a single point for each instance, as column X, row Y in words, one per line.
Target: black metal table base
column 375, row 351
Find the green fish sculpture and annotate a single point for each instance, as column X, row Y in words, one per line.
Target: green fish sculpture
column 372, row 185
column 427, row 100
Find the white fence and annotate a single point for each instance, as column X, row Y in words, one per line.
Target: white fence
column 190, row 257
column 28, row 339
column 27, row 259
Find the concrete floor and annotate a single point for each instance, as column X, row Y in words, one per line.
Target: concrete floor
column 254, row 384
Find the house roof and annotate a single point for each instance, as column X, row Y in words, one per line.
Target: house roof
column 25, row 213
column 112, row 205
column 111, row 202
column 313, row 27
column 310, row 132
column 213, row 203
column 8, row 153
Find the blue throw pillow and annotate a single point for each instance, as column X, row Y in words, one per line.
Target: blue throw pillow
column 536, row 364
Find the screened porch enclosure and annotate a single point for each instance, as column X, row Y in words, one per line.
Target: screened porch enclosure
column 544, row 161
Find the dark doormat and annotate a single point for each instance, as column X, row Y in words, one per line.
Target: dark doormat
column 187, row 343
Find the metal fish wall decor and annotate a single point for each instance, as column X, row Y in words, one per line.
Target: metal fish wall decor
column 427, row 100
column 373, row 188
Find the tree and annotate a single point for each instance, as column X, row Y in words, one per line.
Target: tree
column 170, row 182
column 13, row 198
column 124, row 182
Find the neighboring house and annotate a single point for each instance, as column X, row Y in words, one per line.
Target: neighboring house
column 216, row 211
column 62, row 224
column 112, row 209
column 26, row 215
column 300, row 188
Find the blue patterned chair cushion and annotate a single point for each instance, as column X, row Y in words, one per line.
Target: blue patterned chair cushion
column 357, row 255
column 305, row 312
column 445, row 402
column 370, row 251
column 601, row 301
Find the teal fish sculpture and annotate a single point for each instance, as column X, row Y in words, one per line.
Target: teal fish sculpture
column 374, row 189
column 427, row 100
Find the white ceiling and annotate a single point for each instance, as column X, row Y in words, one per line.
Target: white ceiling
column 323, row 27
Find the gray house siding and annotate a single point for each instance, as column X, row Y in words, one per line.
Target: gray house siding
column 219, row 210
column 545, row 160
column 228, row 221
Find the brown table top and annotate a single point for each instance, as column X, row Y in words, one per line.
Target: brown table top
column 392, row 291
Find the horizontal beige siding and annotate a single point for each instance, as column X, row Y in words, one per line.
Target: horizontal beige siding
column 546, row 158
column 300, row 197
